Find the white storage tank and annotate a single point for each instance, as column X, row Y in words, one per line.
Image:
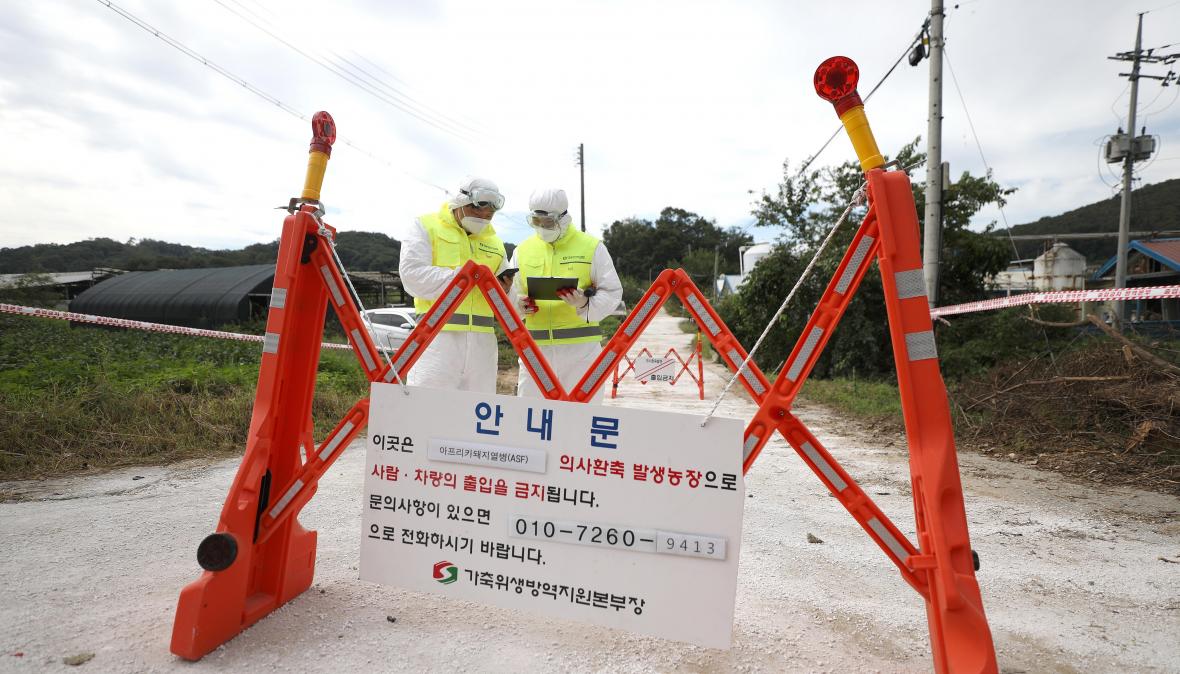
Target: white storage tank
column 752, row 254
column 1060, row 268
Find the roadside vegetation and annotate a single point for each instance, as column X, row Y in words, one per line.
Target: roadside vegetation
column 73, row 398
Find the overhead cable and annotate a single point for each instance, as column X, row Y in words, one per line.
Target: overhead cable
column 979, row 146
column 182, row 48
column 394, row 98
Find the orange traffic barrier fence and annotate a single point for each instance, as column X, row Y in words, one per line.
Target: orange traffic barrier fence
column 260, row 557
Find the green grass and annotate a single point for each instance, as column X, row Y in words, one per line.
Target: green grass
column 871, row 401
column 74, row 398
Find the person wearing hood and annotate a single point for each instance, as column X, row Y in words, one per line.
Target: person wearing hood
column 463, row 356
column 566, row 330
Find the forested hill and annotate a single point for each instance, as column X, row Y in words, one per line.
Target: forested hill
column 1153, row 208
column 359, row 251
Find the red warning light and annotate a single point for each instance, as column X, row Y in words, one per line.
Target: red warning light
column 323, row 133
column 835, row 82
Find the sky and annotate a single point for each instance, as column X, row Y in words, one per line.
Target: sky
column 112, row 131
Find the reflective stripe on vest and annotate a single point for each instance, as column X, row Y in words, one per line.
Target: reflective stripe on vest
column 592, row 330
column 556, row 322
column 465, row 319
column 451, row 247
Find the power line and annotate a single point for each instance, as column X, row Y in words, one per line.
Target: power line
column 394, row 99
column 182, row 48
column 971, row 125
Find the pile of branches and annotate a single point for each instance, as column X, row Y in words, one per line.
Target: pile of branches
column 1108, row 410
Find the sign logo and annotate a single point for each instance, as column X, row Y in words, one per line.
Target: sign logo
column 446, row 572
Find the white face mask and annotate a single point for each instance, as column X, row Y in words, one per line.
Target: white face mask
column 549, row 235
column 474, row 225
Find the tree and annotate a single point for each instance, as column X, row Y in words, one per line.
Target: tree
column 678, row 238
column 806, row 207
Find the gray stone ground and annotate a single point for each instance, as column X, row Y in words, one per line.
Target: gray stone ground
column 1072, row 574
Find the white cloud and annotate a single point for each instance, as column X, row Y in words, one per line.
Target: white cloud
column 110, row 132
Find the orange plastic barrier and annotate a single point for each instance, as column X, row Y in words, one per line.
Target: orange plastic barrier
column 260, row 557
column 684, row 368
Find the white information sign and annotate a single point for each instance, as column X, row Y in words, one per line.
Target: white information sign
column 620, row 517
column 655, row 369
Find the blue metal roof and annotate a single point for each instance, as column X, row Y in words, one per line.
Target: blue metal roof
column 1150, row 248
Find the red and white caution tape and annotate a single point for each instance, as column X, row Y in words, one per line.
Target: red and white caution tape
column 1061, row 297
column 139, row 325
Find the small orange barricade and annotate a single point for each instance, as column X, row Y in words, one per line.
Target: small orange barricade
column 668, row 368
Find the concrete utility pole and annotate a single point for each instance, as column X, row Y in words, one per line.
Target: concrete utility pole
column 582, row 180
column 1120, row 267
column 1137, row 148
column 932, row 237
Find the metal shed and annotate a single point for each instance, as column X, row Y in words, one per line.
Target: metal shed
column 199, row 298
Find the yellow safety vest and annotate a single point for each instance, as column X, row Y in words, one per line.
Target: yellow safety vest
column 555, row 321
column 452, row 247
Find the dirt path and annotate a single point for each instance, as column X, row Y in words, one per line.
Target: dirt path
column 1071, row 574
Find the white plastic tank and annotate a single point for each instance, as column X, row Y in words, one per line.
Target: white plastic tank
column 752, row 254
column 1060, row 268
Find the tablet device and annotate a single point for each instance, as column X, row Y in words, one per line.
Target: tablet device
column 546, row 287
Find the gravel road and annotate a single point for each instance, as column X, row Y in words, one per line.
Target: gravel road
column 1075, row 577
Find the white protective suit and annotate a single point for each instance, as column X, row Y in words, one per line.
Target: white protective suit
column 570, row 361
column 455, row 360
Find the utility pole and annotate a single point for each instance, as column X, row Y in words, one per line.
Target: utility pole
column 932, row 236
column 716, row 253
column 1120, row 265
column 581, row 160
column 1137, row 147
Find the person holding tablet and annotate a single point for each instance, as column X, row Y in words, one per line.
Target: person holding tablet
column 462, row 356
column 579, row 272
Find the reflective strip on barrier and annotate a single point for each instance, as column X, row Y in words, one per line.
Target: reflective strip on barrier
column 858, row 258
column 278, row 298
column 710, row 324
column 295, row 487
column 442, row 305
column 635, row 322
column 599, row 372
column 920, row 345
column 401, row 360
column 805, row 353
column 270, row 342
column 825, row 468
column 892, row 543
column 751, row 443
column 737, row 359
column 337, row 440
column 531, row 356
column 910, row 284
column 337, row 296
column 509, row 322
column 359, row 340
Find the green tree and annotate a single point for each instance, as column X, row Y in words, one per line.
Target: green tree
column 806, row 207
column 677, row 238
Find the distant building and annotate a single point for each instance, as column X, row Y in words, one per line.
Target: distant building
column 1150, row 262
column 1014, row 280
column 1059, row 268
column 749, row 256
column 65, row 285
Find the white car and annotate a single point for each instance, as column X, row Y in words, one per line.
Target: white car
column 389, row 327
